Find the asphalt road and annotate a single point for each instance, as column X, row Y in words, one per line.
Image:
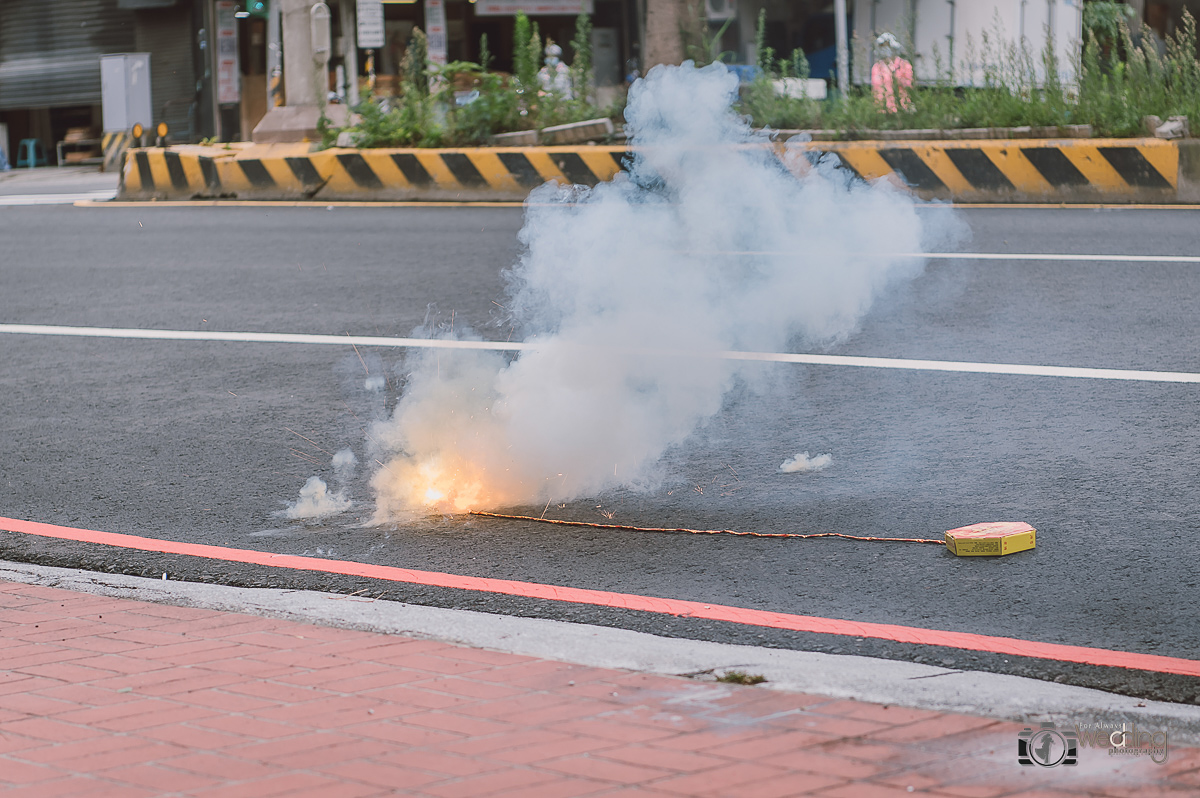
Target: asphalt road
column 198, row 441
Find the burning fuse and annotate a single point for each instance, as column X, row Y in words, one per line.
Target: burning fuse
column 991, row 539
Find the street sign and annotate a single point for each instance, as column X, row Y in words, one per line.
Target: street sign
column 370, row 24
column 500, row 8
column 435, row 31
column 229, row 79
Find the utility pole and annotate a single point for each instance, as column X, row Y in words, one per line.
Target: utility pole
column 274, row 57
column 843, row 47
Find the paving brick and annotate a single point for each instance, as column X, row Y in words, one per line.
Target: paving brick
column 220, row 765
column 767, row 745
column 18, row 773
column 248, row 727
column 679, row 761
column 523, row 781
column 159, row 779
column 468, row 688
column 292, row 785
column 193, row 737
column 786, row 785
column 381, row 774
column 142, row 751
column 719, row 780
column 610, row 729
column 414, row 696
column 50, row 729
column 559, row 788
column 860, row 789
column 566, row 745
column 493, row 743
column 880, row 713
column 279, row 693
column 167, row 714
column 460, row 724
column 932, row 728
column 64, row 753
column 286, row 746
column 87, row 694
column 811, row 761
column 448, row 765
column 599, row 769
column 35, row 704
column 70, row 787
column 403, row 734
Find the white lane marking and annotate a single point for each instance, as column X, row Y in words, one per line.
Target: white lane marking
column 259, row 338
column 57, row 199
column 1014, row 256
column 1052, row 256
column 765, row 357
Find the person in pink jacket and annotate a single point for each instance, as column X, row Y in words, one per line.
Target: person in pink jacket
column 891, row 76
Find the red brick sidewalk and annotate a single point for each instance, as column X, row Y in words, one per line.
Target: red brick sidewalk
column 102, row 696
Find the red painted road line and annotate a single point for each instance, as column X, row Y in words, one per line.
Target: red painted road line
column 628, row 601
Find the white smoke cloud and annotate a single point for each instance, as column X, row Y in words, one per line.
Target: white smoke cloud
column 344, row 463
column 316, row 502
column 802, row 462
column 629, row 290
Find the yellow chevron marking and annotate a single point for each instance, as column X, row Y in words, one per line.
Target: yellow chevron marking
column 281, row 173
column 1093, row 166
column 601, row 163
column 191, row 168
column 385, row 168
column 1164, row 157
column 132, row 178
column 940, row 164
column 866, row 161
column 1013, row 164
column 437, row 169
column 493, row 170
column 158, row 170
column 540, row 160
column 337, row 180
column 233, row 179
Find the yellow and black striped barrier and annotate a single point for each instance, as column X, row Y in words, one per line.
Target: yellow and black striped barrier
column 114, row 145
column 998, row 170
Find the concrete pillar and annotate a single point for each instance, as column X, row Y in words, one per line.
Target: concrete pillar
column 299, row 77
column 305, row 83
column 666, row 20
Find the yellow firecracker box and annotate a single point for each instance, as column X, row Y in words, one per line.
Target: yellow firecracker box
column 992, row 539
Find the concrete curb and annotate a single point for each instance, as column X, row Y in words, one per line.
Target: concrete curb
column 1144, row 170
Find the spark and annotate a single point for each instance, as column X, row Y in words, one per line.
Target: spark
column 360, row 358
column 298, row 435
column 302, row 456
column 231, row 393
column 735, row 474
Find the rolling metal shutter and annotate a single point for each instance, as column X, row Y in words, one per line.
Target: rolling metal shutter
column 166, row 33
column 50, row 50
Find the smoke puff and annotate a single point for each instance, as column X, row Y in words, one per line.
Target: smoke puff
column 629, row 292
column 316, row 502
column 802, row 462
column 344, row 463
